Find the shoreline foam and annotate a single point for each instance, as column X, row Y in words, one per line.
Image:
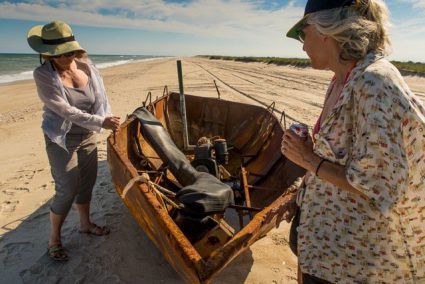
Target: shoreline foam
column 27, row 75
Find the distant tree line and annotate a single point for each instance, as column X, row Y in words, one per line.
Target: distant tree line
column 406, row 68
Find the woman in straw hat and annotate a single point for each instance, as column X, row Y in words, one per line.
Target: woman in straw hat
column 75, row 106
column 362, row 209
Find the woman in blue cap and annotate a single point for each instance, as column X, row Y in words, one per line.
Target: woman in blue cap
column 75, row 106
column 362, row 209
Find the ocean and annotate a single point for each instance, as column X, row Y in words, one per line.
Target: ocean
column 15, row 67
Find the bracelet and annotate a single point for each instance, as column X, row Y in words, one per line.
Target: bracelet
column 318, row 166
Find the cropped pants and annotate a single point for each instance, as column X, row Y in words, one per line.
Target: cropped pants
column 74, row 172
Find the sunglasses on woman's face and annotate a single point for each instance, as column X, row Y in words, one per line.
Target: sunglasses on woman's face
column 301, row 33
column 67, row 55
column 301, row 36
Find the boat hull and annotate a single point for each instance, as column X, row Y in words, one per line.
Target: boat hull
column 255, row 135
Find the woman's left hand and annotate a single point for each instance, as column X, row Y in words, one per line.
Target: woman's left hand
column 298, row 150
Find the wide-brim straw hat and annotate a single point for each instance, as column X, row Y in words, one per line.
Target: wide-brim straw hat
column 52, row 39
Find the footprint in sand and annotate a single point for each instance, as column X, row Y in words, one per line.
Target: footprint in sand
column 28, row 174
column 43, row 186
column 279, row 240
column 14, row 252
column 291, row 278
column 8, row 207
column 94, row 271
column 19, row 188
column 8, row 192
column 46, row 271
column 36, row 268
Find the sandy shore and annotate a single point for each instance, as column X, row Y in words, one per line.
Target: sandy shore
column 127, row 255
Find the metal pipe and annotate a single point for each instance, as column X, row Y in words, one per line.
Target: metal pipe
column 183, row 106
column 246, row 189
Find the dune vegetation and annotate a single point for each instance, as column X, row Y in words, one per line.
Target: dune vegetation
column 406, row 68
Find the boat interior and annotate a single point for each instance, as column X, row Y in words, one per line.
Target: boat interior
column 230, row 170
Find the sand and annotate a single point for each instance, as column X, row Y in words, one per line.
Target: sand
column 127, row 255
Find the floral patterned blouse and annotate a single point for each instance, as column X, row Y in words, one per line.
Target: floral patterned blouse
column 377, row 131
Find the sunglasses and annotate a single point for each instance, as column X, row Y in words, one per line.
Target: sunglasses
column 301, row 36
column 301, row 33
column 67, row 55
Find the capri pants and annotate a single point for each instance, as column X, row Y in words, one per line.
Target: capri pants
column 74, row 172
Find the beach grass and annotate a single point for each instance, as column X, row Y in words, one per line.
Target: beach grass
column 414, row 67
column 406, row 68
column 300, row 62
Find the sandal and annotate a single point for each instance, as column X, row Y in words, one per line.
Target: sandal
column 96, row 230
column 57, row 253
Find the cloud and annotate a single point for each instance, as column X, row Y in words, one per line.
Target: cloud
column 410, row 28
column 416, row 4
column 234, row 27
column 219, row 18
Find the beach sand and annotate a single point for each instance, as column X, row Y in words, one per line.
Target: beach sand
column 127, row 255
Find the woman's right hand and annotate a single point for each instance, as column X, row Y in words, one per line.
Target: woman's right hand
column 111, row 122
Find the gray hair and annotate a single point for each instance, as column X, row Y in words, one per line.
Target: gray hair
column 358, row 29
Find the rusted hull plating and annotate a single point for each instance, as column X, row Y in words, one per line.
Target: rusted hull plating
column 256, row 135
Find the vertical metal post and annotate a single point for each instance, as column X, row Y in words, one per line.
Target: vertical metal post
column 246, row 189
column 183, row 106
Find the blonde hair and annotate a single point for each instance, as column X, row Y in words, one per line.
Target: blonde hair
column 358, row 29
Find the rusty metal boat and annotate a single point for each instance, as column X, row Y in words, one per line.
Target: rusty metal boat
column 204, row 178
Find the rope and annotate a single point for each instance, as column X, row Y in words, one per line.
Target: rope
column 152, row 186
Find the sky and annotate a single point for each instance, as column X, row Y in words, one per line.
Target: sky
column 197, row 27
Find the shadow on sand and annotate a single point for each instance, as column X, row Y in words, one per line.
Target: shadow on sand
column 126, row 255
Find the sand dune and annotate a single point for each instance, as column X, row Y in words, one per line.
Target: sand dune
column 127, row 255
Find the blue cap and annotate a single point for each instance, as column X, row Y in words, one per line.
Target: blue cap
column 316, row 6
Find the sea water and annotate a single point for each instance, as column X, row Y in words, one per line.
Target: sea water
column 15, row 67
